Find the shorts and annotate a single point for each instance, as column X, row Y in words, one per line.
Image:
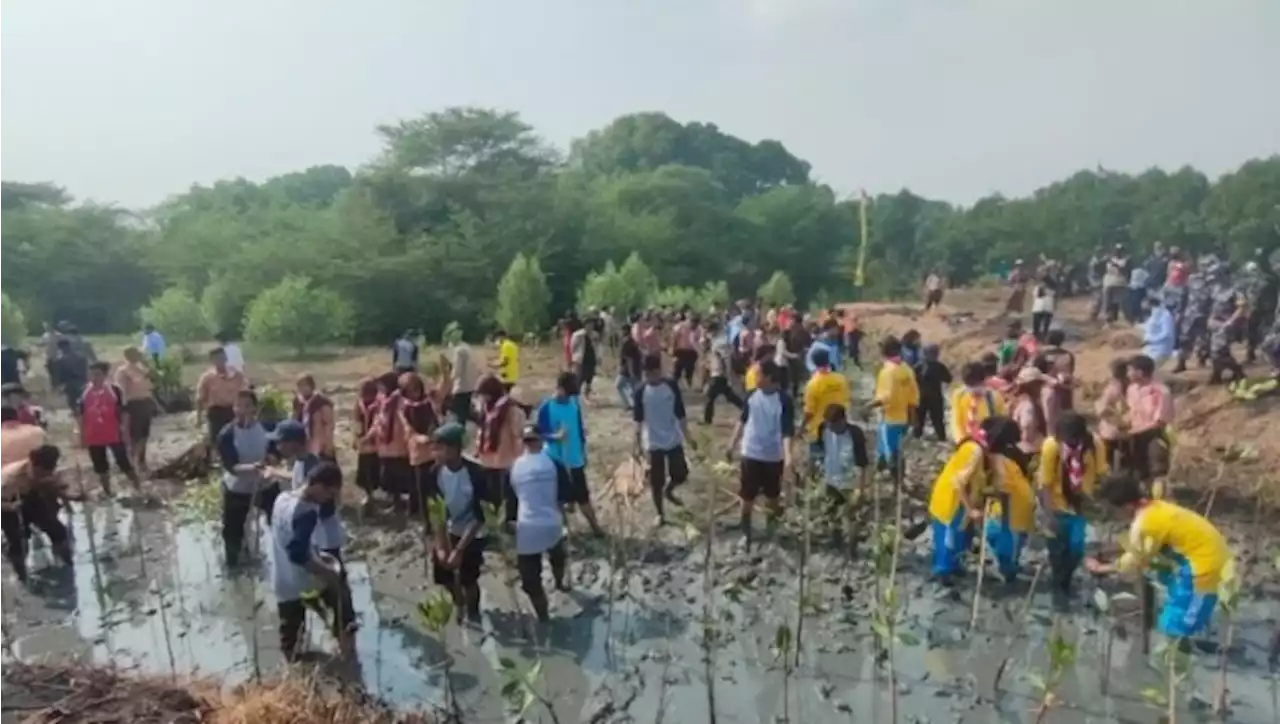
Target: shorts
column 1150, row 454
column 468, row 571
column 1186, row 612
column 757, row 477
column 586, row 373
column 73, row 393
column 140, row 413
column 98, row 458
column 667, row 462
column 368, row 472
column 218, row 417
column 578, row 493
column 397, row 476
column 460, row 406
column 889, row 440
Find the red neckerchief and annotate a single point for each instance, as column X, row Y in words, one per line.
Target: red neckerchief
column 494, row 417
column 1073, row 458
column 305, row 408
column 365, row 412
column 390, row 404
column 420, row 414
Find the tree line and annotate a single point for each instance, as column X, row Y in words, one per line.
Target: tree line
column 423, row 234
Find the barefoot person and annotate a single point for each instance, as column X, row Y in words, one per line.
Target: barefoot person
column 315, row 412
column 291, row 445
column 29, row 493
column 299, row 568
column 661, row 430
column 540, row 485
column 419, row 416
column 1072, row 461
column 498, row 444
column 104, row 427
column 134, row 380
column 560, row 421
column 392, row 441
column 462, row 486
column 365, row 417
column 765, row 432
column 242, row 449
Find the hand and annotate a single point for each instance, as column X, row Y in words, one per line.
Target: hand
column 975, row 514
column 421, row 440
column 453, row 560
column 1094, row 566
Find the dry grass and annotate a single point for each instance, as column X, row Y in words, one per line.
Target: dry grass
column 77, row 694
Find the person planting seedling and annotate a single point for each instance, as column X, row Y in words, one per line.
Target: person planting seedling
column 1072, row 461
column 1188, row 554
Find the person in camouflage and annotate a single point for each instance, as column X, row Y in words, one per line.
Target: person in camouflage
column 1261, row 286
column 1228, row 310
column 1192, row 313
column 1271, row 346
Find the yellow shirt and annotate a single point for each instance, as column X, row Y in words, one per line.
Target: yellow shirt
column 1178, row 535
column 824, row 389
column 897, row 392
column 1022, row 500
column 990, row 404
column 508, row 362
column 1049, row 475
column 965, row 470
column 751, row 380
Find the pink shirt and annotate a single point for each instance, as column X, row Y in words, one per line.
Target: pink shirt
column 1029, row 421
column 684, row 336
column 1150, row 406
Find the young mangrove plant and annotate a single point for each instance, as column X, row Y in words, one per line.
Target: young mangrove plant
column 520, row 688
column 1019, row 623
column 435, row 613
column 1062, row 654
column 1106, row 606
column 1229, row 601
column 1175, row 660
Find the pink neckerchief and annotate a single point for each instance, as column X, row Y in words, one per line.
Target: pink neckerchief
column 1073, row 457
column 974, row 426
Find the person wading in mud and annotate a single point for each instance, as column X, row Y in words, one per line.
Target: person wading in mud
column 298, row 567
column 315, row 412
column 242, row 449
column 661, row 431
column 462, row 374
column 29, row 494
column 562, row 426
column 933, row 377
column 365, row 432
column 134, row 380
column 498, row 444
column 541, row 486
column 462, row 486
column 721, row 365
column 419, row 416
column 392, row 441
column 897, row 396
column 824, row 389
column 1072, row 462
column 765, row 433
column 104, row 427
column 1150, row 406
column 290, row 441
column 841, row 458
column 629, row 364
column 216, row 392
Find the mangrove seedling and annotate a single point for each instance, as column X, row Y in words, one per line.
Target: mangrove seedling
column 435, row 613
column 520, row 688
column 1062, row 654
column 1229, row 601
column 1176, row 663
column 1105, row 606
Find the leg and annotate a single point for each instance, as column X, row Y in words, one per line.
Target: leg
column 124, row 463
column 657, row 480
column 559, row 557
column 337, row 598
column 623, row 385
column 292, row 614
column 235, row 511
column 580, row 495
column 41, row 511
column 917, row 425
column 101, row 467
column 469, row 573
column 937, row 416
column 749, row 485
column 15, row 537
column 530, row 569
column 715, row 389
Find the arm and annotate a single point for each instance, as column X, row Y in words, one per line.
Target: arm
column 202, row 392
column 299, row 546
column 861, row 459
column 637, row 412
column 738, row 428
column 788, row 428
column 680, row 412
column 122, row 414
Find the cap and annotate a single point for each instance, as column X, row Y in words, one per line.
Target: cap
column 450, row 433
column 530, row 432
column 289, row 431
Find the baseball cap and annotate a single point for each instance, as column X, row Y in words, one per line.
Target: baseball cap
column 450, row 433
column 289, row 431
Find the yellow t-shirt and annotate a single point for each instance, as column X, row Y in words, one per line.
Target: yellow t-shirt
column 897, row 392
column 1022, row 500
column 820, row 392
column 1049, row 475
column 964, row 470
column 990, row 404
column 1170, row 531
column 751, row 380
column 508, row 361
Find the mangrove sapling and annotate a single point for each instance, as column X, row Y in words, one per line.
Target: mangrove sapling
column 520, row 688
column 1105, row 606
column 711, row 636
column 1019, row 625
column 1176, row 661
column 435, row 613
column 1228, row 600
column 1062, row 654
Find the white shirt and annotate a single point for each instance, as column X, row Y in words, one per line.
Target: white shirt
column 329, row 532
column 539, row 520
column 289, row 579
column 1042, row 304
column 235, row 358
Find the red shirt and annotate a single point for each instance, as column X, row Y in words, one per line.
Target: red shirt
column 101, row 411
column 1177, row 273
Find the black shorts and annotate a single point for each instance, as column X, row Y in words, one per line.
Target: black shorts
column 217, row 418
column 667, row 462
column 98, row 458
column 334, row 607
column 578, row 492
column 758, row 477
column 1150, row 454
column 140, row 412
column 460, row 406
column 468, row 571
column 368, row 471
column 397, row 476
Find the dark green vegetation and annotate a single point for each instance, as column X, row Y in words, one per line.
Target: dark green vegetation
column 422, row 234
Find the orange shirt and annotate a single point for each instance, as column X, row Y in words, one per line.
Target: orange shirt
column 366, row 421
column 510, row 445
column 134, row 382
column 220, row 390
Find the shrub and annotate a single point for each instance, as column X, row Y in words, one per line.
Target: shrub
column 523, row 298
column 777, row 291
column 297, row 315
column 176, row 315
column 13, row 327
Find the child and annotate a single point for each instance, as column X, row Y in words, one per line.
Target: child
column 974, row 402
column 911, row 347
column 1072, row 461
column 17, row 397
column 1008, row 348
column 1011, row 517
column 897, row 396
column 1190, row 556
column 561, row 424
column 932, row 377
column 298, row 568
column 462, row 486
column 842, row 449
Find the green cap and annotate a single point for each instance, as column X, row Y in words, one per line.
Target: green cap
column 450, row 433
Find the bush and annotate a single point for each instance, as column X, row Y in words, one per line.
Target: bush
column 777, row 291
column 298, row 316
column 639, row 280
column 604, row 289
column 166, row 384
column 698, row 300
column 452, row 334
column 224, row 306
column 14, row 324
column 176, row 315
column 523, row 298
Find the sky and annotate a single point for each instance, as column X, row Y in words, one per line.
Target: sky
column 129, row 101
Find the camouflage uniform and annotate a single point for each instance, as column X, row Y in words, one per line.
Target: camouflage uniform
column 1271, row 345
column 1226, row 300
column 1192, row 313
column 1260, row 289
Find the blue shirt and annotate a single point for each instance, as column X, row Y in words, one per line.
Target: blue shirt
column 833, row 353
column 734, row 330
column 553, row 416
column 153, row 344
column 1158, row 334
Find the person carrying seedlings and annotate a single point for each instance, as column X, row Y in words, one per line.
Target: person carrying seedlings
column 498, row 445
column 1150, row 406
column 418, row 415
column 1188, row 554
column 315, row 412
column 973, row 402
column 824, row 389
column 897, row 396
column 560, row 421
column 365, row 416
column 461, row 485
column 661, row 430
column 242, row 449
column 841, row 452
column 29, row 493
column 300, row 572
column 765, row 433
column 720, row 367
column 541, row 486
column 975, row 470
column 216, row 392
column 1072, row 462
column 932, row 378
column 104, row 426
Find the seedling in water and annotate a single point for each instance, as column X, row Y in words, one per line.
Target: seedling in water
column 435, row 613
column 1176, row 663
column 1229, row 600
column 520, row 688
column 1104, row 604
column 1062, row 654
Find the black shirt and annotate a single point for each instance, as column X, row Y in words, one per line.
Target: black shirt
column 629, row 354
column 932, row 377
column 9, row 364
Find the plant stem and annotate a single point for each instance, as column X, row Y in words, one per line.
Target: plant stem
column 803, row 579
column 1172, row 712
column 1220, row 703
column 708, row 605
column 982, row 567
column 1021, row 622
column 892, row 617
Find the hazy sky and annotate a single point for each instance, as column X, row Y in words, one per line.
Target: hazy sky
column 131, row 100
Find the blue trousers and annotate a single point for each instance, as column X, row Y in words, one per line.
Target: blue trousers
column 950, row 541
column 1006, row 544
column 889, row 442
column 1186, row 611
column 1066, row 547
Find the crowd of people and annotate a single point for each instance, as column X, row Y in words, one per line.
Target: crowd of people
column 464, row 443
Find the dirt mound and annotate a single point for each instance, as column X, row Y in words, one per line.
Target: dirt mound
column 75, row 694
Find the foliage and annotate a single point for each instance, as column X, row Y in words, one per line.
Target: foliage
column 14, row 326
column 274, row 404
column 524, row 302
column 176, row 315
column 456, row 193
column 777, row 291
column 166, row 383
column 297, row 314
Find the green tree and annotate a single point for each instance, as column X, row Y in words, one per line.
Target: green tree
column 176, row 314
column 298, row 315
column 14, row 325
column 604, row 289
column 223, row 306
column 777, row 291
column 523, row 298
column 640, row 282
